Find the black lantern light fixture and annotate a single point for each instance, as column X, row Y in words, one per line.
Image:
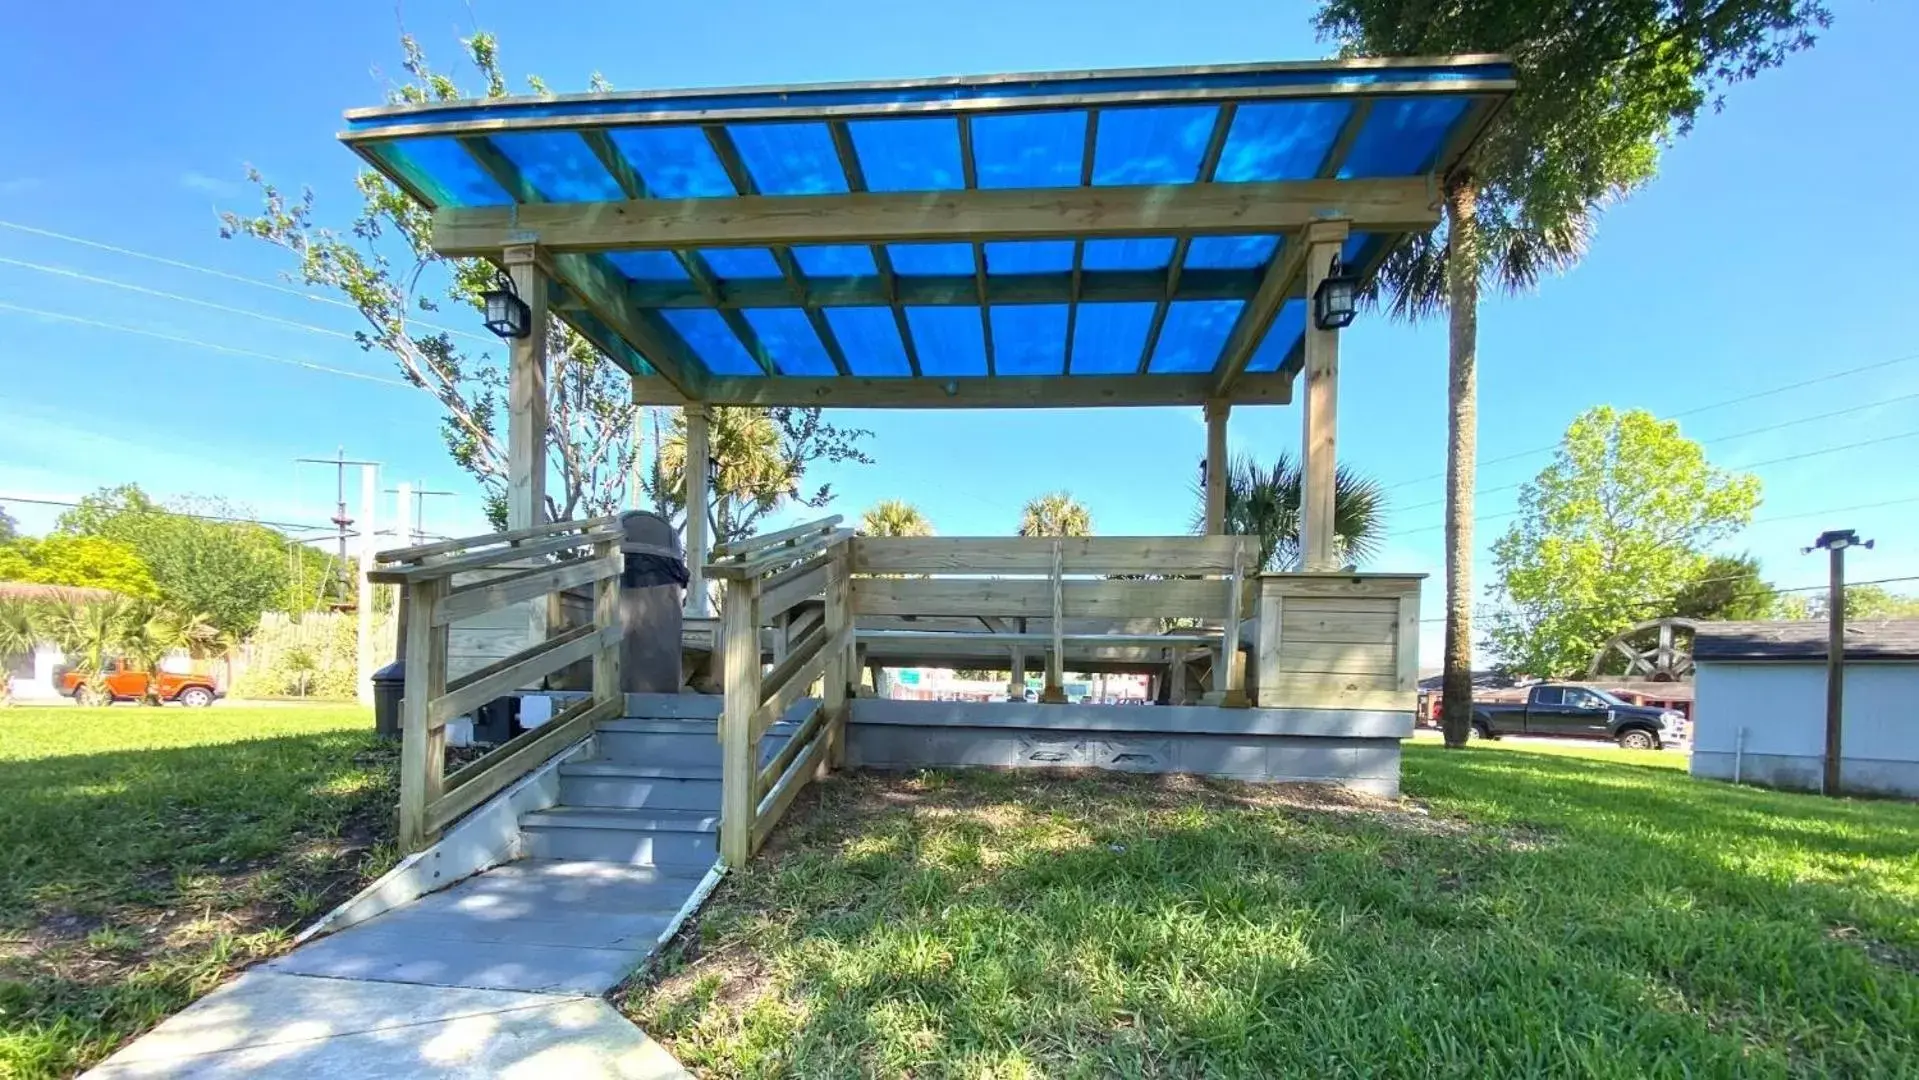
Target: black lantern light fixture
column 1337, row 297
column 713, row 471
column 1202, row 474
column 506, row 314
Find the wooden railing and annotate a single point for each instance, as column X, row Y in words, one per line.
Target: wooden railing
column 454, row 580
column 1119, row 589
column 780, row 579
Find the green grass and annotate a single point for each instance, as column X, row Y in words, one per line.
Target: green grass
column 146, row 854
column 1528, row 913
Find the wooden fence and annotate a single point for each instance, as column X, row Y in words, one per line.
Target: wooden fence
column 455, row 580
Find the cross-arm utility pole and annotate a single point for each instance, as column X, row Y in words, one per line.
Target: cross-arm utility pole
column 1835, row 541
column 341, row 520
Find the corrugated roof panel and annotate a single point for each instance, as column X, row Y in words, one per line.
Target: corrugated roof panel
column 1230, row 252
column 869, row 338
column 1028, row 339
column 949, row 340
column 788, row 337
column 1289, row 325
column 1286, row 140
column 1029, row 256
column 1159, row 144
column 712, row 341
column 1402, row 136
column 909, row 155
column 741, row 264
column 559, row 165
column 674, row 162
column 1109, row 338
column 648, row 265
column 835, row 261
column 1194, row 333
column 446, row 170
column 790, row 158
column 1030, row 150
column 930, row 260
column 1138, row 253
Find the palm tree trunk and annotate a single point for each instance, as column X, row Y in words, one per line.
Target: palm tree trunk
column 1462, row 302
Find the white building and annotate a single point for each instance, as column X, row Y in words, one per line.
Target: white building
column 1760, row 712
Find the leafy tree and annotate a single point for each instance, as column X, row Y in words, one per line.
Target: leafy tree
column 1868, row 602
column 894, row 517
column 229, row 570
column 385, row 268
column 9, row 528
column 1055, row 513
column 763, row 455
column 21, row 630
column 1726, row 587
column 1620, row 519
column 86, row 561
column 1604, row 85
column 1264, row 502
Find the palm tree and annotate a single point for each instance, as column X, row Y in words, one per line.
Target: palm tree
column 1264, row 502
column 90, row 632
column 152, row 633
column 1055, row 513
column 20, row 631
column 894, row 517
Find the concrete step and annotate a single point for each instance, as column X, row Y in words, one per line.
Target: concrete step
column 620, row 784
column 674, row 840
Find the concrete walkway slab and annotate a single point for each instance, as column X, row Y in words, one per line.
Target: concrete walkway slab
column 297, row 1026
column 371, row 953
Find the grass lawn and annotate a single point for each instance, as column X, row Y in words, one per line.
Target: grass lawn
column 1525, row 913
column 146, row 854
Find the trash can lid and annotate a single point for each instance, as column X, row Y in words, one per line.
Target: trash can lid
column 646, row 529
column 394, row 672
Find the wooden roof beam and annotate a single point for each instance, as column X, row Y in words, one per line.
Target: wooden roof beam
column 882, row 262
column 996, row 392
column 1388, row 205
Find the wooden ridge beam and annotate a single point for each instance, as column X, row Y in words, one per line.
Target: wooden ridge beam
column 950, row 289
column 870, row 217
column 998, row 392
column 608, row 296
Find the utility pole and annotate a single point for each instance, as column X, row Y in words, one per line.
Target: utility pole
column 1835, row 541
column 419, row 492
column 341, row 520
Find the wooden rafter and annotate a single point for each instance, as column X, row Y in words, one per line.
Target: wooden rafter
column 996, row 392
column 1076, row 281
column 1282, row 279
column 882, row 262
column 1329, row 165
column 969, row 178
column 1208, row 169
column 1399, row 205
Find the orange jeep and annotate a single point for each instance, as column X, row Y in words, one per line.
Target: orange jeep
column 125, row 682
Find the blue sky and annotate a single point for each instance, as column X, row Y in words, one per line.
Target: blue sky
column 1741, row 269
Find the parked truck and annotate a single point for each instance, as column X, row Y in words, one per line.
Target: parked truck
column 1578, row 712
column 125, row 682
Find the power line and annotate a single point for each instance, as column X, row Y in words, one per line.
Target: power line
column 1755, row 465
column 211, row 272
column 35, row 501
column 1717, row 439
column 197, row 343
column 1756, row 395
column 175, row 297
column 1821, row 587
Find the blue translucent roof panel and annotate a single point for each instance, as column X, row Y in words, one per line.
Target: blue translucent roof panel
column 448, row 173
column 835, row 260
column 673, row 162
column 1402, row 137
column 790, row 158
column 1192, row 336
column 1225, row 81
column 788, row 337
column 927, row 260
column 909, row 155
column 1230, row 252
column 741, row 264
column 559, row 165
column 1280, row 141
column 1108, row 338
column 949, row 340
column 869, row 338
column 1030, row 150
column 648, row 265
column 1141, row 253
column 1028, row 339
column 1289, row 325
column 1160, row 144
column 1029, row 256
column 1358, row 248
column 712, row 341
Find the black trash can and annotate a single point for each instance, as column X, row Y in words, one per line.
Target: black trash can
column 389, row 686
column 652, row 590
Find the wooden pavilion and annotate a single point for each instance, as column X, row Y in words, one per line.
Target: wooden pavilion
column 1148, row 237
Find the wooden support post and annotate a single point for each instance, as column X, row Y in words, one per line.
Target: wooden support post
column 698, row 605
column 1319, row 410
column 1055, row 692
column 422, row 753
column 1216, row 414
column 839, row 666
column 1176, row 675
column 606, row 612
column 739, row 759
column 1016, row 683
column 526, row 398
column 1233, row 669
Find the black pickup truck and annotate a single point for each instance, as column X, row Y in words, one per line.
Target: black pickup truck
column 1579, row 712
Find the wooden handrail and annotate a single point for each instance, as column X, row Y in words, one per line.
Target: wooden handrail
column 461, row 543
column 767, row 540
column 775, row 558
column 441, row 569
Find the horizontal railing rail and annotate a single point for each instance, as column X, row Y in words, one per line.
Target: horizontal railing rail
column 449, row 581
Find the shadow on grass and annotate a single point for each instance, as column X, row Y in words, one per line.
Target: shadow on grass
column 138, row 879
column 956, row 924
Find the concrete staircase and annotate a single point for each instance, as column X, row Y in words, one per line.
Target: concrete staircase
column 603, row 873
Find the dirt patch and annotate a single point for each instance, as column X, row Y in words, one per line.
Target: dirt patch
column 1880, row 952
